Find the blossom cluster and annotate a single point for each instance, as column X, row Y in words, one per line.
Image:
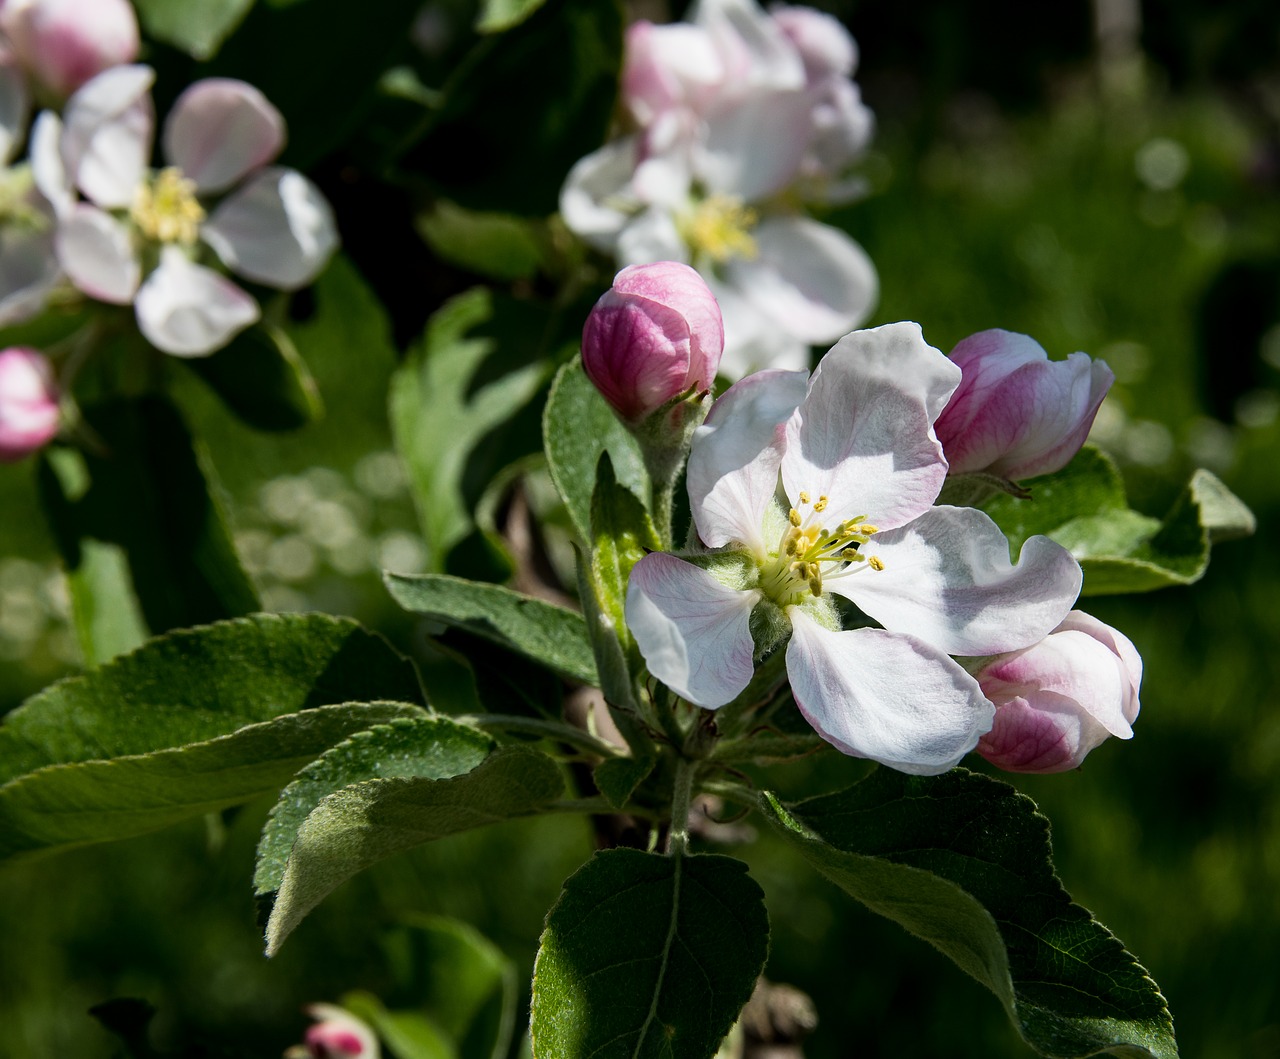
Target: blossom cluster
column 911, row 637
column 733, row 120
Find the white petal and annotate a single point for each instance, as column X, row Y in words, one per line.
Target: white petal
column 753, row 341
column 277, row 229
column 885, row 696
column 947, row 578
column 189, row 310
column 753, row 146
column 754, row 50
column 863, row 437
column 812, row 279
column 219, row 130
column 96, row 252
column 693, row 632
column 106, row 140
column 45, row 155
column 596, row 200
column 733, row 466
column 651, row 236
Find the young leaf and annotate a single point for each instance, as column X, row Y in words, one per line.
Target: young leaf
column 1083, row 508
column 261, row 378
column 197, row 684
column 150, row 497
column 617, row 777
column 621, row 534
column 197, row 27
column 431, row 747
column 452, row 405
column 360, row 825
column 100, row 801
column 963, row 862
column 578, row 427
column 541, row 631
column 645, row 956
column 495, row 245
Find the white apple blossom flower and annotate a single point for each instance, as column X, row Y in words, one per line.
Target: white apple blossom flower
column 137, row 235
column 739, row 116
column 812, row 485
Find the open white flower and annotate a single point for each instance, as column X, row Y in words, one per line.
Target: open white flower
column 825, row 484
column 137, row 234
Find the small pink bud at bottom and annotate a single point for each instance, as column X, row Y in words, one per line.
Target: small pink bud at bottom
column 337, row 1035
column 29, row 415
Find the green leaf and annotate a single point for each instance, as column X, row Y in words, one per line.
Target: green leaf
column 100, row 801
column 431, row 747
column 495, row 245
column 536, row 629
column 197, row 684
column 578, row 427
column 197, row 27
column 963, row 861
column 618, row 777
column 499, row 15
column 621, row 534
column 360, row 825
column 452, row 405
column 262, row 379
column 1083, row 507
column 554, row 82
column 647, row 956
column 148, row 493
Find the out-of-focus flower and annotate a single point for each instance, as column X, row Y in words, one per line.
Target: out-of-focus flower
column 656, row 333
column 337, row 1034
column 1016, row 413
column 738, row 117
column 1060, row 698
column 28, row 402
column 137, row 235
column 28, row 268
column 64, row 43
column 853, row 452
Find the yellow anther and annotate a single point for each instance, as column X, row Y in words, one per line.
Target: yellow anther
column 165, row 208
column 876, row 562
column 866, row 529
column 804, row 497
column 720, row 227
column 794, row 517
column 821, row 505
column 815, row 584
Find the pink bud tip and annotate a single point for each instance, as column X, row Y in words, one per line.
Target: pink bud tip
column 28, row 402
column 64, row 43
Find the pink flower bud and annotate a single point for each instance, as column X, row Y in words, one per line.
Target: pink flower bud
column 28, row 403
column 64, row 43
column 1016, row 413
column 336, row 1035
column 654, row 335
column 824, row 44
column 1060, row 698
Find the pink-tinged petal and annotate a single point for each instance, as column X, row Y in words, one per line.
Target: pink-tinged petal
column 821, row 39
column 15, row 103
column 668, row 66
column 29, row 396
column 188, row 310
column 862, row 438
column 1119, row 645
column 733, row 466
column 885, row 696
column 811, row 279
column 1043, row 733
column 752, row 147
column 693, row 632
column 45, row 155
column 754, row 51
column 220, row 130
column 66, row 42
column 96, row 252
column 595, row 189
column 277, row 229
column 947, row 578
column 106, row 140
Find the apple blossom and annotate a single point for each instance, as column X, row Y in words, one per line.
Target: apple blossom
column 337, row 1034
column 1016, row 413
column 138, row 235
column 64, row 43
column 655, row 334
column 735, row 124
column 1058, row 699
column 28, row 402
column 810, row 485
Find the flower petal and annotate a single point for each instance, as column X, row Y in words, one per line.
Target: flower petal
column 219, row 130
column 733, row 466
column 862, row 437
column 593, row 192
column 753, row 146
column 885, row 696
column 753, row 341
column 947, row 578
column 693, row 632
column 189, row 310
column 277, row 229
column 47, row 169
column 96, row 252
column 1042, row 733
column 649, row 237
column 106, row 140
column 812, row 279
column 28, row 272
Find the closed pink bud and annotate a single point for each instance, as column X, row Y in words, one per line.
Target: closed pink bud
column 64, row 43
column 28, row 403
column 654, row 335
column 1016, row 413
column 1060, row 698
column 336, row 1035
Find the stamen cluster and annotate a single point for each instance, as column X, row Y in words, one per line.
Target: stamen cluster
column 806, row 545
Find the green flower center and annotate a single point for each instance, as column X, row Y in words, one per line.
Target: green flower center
column 808, row 552
column 166, row 209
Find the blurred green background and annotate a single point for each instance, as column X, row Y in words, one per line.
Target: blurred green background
column 1104, row 178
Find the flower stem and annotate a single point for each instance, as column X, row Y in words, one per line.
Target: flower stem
column 681, row 802
column 561, row 733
